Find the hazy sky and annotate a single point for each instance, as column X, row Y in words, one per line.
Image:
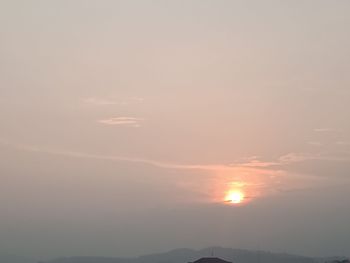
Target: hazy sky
column 126, row 126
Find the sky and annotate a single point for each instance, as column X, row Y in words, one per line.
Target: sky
column 139, row 126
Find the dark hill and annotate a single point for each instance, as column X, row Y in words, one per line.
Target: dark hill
column 188, row 255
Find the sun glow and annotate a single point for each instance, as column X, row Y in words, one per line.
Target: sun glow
column 240, row 186
column 234, row 197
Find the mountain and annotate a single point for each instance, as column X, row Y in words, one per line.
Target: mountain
column 5, row 258
column 188, row 255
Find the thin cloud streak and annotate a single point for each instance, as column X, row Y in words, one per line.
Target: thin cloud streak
column 122, row 121
column 252, row 164
column 325, row 130
column 301, row 157
column 343, row 143
column 159, row 164
column 256, row 178
column 221, row 177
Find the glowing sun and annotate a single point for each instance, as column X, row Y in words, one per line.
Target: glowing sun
column 234, row 197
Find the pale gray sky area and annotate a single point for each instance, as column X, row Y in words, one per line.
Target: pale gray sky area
column 132, row 127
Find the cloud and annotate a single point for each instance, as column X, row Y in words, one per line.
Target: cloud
column 343, row 143
column 302, row 157
column 254, row 161
column 325, row 130
column 255, row 177
column 251, row 163
column 123, row 121
column 155, row 163
column 295, row 157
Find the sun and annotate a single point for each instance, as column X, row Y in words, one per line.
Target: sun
column 234, row 197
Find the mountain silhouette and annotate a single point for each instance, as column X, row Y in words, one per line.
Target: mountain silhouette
column 189, row 255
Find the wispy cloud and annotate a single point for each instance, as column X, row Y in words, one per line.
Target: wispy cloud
column 302, row 157
column 248, row 163
column 216, row 179
column 123, row 121
column 343, row 143
column 256, row 177
column 254, row 162
column 156, row 163
column 325, row 130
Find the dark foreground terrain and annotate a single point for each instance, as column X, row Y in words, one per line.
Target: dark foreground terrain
column 184, row 256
